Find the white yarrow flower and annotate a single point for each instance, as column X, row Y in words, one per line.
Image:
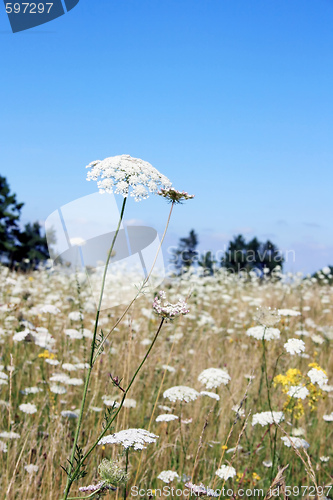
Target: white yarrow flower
column 318, row 377
column 298, row 391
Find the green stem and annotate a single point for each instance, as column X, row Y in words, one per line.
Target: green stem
column 126, row 469
column 91, row 449
column 86, row 385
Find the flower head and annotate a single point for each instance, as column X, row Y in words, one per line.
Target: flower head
column 267, row 418
column 166, row 418
column 120, row 173
column 167, row 310
column 263, row 333
column 111, row 472
column 130, row 438
column 294, row 346
column 214, row 377
column 168, row 475
column 226, row 471
column 181, row 393
column 297, row 442
column 267, row 316
column 28, row 408
column 201, row 491
column 175, row 196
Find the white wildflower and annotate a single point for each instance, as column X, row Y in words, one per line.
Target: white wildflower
column 73, row 334
column 28, row 408
column 31, row 468
column 57, row 389
column 167, row 310
column 210, row 395
column 166, row 418
column 214, row 377
column 261, row 332
column 328, row 418
column 181, row 393
column 288, row 312
column 167, row 476
column 130, row 438
column 267, row 418
column 226, row 472
column 296, row 441
column 50, row 309
column 294, row 346
column 75, row 316
column 120, row 173
column 298, row 391
column 324, row 459
column 9, row 435
column 318, row 377
column 69, row 414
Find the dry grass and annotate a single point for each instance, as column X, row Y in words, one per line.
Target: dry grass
column 212, row 335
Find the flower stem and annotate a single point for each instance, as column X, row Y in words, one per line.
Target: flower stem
column 70, row 478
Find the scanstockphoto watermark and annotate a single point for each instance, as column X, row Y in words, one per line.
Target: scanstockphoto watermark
column 24, row 15
column 228, row 258
column 291, row 491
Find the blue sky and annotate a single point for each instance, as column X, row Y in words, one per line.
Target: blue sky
column 231, row 99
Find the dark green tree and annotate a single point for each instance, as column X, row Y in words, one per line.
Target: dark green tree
column 254, row 255
column 207, row 262
column 31, row 248
column 10, row 211
column 185, row 255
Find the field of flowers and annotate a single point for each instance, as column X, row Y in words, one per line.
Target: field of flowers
column 234, row 394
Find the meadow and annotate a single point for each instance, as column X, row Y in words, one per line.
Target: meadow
column 237, row 389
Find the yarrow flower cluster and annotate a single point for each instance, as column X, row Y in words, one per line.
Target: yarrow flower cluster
column 298, row 391
column 267, row 418
column 181, row 393
column 214, row 377
column 175, row 196
column 294, row 346
column 130, row 438
column 226, row 471
column 120, row 173
column 168, row 476
column 167, row 310
column 28, row 408
column 261, row 332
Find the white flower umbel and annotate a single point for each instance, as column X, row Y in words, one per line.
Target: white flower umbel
column 226, row 472
column 297, row 442
column 130, row 438
column 167, row 310
column 288, row 312
column 28, row 408
column 328, row 418
column 214, row 377
column 168, row 476
column 181, row 393
column 210, row 395
column 166, row 418
column 9, row 435
column 294, row 346
column 31, row 468
column 200, row 490
column 267, row 418
column 298, row 391
column 262, row 332
column 118, row 174
column 318, row 377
